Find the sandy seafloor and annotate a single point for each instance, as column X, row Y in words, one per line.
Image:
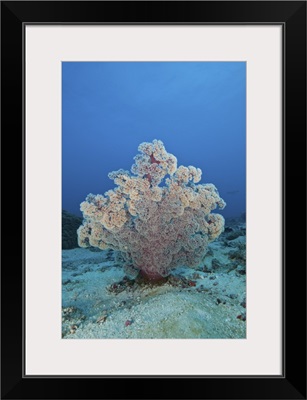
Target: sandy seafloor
column 99, row 302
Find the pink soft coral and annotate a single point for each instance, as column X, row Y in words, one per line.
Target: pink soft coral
column 156, row 228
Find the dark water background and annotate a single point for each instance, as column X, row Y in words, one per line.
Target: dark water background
column 198, row 110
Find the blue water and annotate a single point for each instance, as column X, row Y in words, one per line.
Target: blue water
column 197, row 109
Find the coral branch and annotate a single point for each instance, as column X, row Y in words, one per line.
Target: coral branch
column 156, row 228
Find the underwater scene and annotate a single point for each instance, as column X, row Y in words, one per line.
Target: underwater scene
column 154, row 200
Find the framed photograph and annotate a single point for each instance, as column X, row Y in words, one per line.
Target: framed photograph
column 161, row 225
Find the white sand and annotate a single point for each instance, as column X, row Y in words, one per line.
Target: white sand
column 207, row 310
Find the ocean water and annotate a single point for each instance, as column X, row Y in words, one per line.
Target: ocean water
column 198, row 111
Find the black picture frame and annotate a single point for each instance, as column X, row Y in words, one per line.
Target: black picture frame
column 292, row 16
